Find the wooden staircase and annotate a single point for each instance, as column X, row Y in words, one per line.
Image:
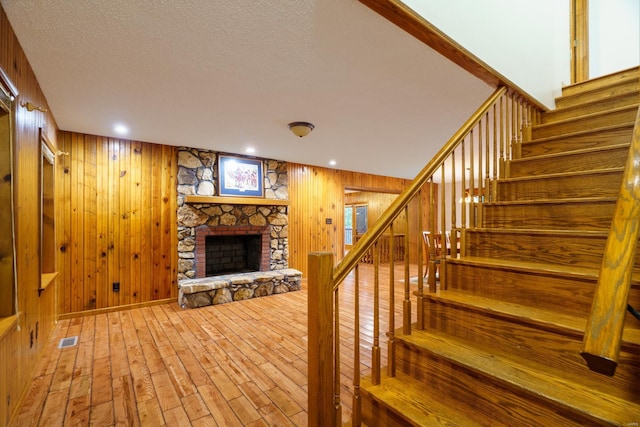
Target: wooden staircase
column 503, row 333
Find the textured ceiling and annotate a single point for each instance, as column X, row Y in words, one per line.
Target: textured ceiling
column 228, row 74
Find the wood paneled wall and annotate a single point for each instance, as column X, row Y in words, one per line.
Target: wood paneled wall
column 21, row 345
column 117, row 223
column 318, row 194
column 376, row 203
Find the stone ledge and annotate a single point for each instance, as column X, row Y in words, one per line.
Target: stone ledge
column 215, row 290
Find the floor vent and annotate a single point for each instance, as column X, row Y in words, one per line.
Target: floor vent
column 68, row 342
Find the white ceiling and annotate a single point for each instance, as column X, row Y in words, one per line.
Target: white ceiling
column 228, row 74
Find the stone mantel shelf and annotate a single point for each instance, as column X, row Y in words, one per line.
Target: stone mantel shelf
column 221, row 200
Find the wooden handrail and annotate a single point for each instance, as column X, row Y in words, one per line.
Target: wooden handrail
column 357, row 252
column 603, row 336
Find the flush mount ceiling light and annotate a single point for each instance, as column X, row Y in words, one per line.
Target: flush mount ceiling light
column 301, row 128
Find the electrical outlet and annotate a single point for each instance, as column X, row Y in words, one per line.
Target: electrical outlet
column 116, row 286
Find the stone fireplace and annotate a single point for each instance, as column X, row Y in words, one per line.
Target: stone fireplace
column 247, row 235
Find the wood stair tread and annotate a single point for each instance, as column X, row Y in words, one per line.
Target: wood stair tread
column 543, row 318
column 515, row 372
column 407, row 397
column 563, row 174
column 571, row 153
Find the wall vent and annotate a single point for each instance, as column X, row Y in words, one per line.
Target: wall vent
column 68, row 342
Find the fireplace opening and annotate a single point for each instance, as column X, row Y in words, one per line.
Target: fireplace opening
column 232, row 254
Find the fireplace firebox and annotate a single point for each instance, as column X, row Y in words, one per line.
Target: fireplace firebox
column 232, row 254
column 223, row 250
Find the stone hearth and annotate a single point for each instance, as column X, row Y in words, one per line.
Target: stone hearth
column 206, row 291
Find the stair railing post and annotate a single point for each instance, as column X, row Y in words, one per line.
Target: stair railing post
column 322, row 411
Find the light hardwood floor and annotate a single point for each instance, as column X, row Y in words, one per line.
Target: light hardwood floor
column 242, row 363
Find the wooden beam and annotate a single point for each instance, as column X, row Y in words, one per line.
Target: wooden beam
column 405, row 18
column 220, row 200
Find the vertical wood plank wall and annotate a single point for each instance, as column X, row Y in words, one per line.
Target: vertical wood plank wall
column 18, row 355
column 317, row 194
column 118, row 223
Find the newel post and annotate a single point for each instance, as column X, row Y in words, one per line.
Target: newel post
column 320, row 335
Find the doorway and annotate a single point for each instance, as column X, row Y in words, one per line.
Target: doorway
column 355, row 223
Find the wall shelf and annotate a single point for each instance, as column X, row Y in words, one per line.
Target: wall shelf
column 46, row 279
column 220, row 200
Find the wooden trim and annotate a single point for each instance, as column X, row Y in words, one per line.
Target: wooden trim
column 579, row 41
column 76, row 314
column 221, row 200
column 47, row 279
column 7, row 324
column 413, row 23
column 356, row 189
column 8, row 84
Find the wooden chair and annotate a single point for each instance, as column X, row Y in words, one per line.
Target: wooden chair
column 428, row 240
column 447, row 242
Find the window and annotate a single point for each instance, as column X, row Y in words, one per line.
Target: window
column 47, row 209
column 7, row 249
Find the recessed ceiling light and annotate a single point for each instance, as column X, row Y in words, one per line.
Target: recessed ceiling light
column 332, row 162
column 120, row 129
column 250, row 150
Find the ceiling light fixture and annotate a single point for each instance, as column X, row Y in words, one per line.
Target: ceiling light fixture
column 301, row 129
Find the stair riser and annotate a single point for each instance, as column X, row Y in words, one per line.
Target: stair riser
column 577, row 250
column 376, row 414
column 504, row 335
column 612, row 101
column 552, row 291
column 605, row 184
column 486, row 398
column 603, row 83
column 577, row 142
column 626, row 115
column 555, row 216
column 576, row 162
